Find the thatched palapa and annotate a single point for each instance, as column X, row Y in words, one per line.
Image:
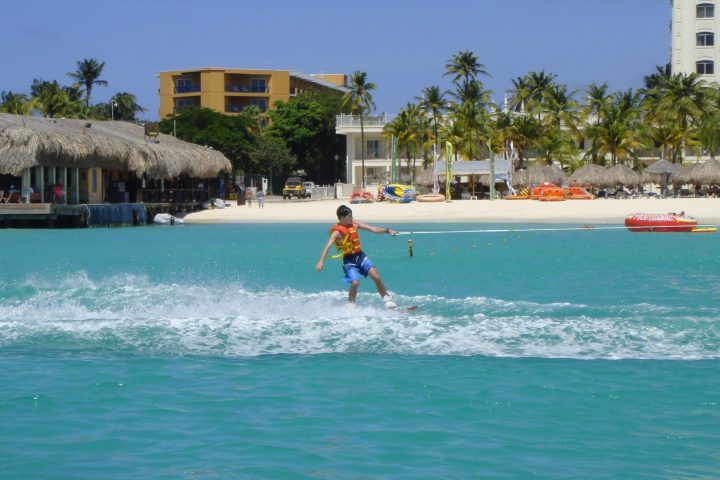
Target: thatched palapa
column 537, row 174
column 698, row 174
column 596, row 175
column 31, row 141
column 624, row 175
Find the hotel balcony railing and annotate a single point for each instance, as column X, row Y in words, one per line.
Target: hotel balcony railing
column 368, row 120
column 247, row 89
column 187, row 89
column 240, row 108
column 370, row 153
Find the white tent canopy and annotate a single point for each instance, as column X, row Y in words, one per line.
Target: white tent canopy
column 501, row 168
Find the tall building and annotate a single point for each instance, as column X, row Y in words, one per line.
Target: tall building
column 232, row 90
column 694, row 26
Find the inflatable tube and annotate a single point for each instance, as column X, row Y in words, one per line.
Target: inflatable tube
column 431, row 197
column 551, row 199
column 703, row 230
column 654, row 222
column 361, row 197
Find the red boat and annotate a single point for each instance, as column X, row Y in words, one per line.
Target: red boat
column 660, row 222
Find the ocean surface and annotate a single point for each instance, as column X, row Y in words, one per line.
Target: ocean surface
column 217, row 351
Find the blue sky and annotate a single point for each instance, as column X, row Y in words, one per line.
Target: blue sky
column 402, row 45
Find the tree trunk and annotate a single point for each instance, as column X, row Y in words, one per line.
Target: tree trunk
column 362, row 149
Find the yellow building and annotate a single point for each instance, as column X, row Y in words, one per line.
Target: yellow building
column 232, row 90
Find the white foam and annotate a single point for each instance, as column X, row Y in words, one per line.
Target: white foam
column 132, row 314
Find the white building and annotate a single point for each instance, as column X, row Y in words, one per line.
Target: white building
column 378, row 151
column 695, row 24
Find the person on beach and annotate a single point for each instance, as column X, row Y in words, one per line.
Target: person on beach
column 261, row 199
column 344, row 237
column 248, row 197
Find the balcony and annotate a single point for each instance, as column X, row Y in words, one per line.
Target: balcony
column 247, row 89
column 367, row 120
column 187, row 89
column 370, row 153
column 240, row 108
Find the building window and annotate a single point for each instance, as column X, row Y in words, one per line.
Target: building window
column 372, row 148
column 705, row 39
column 257, row 85
column 705, row 10
column 705, row 67
column 184, row 85
column 184, row 102
column 261, row 103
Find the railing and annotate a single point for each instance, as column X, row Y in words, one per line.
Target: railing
column 247, row 89
column 240, row 108
column 181, row 195
column 343, row 120
column 187, row 89
column 370, row 153
column 318, row 193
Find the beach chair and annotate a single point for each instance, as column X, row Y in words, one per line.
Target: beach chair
column 3, row 199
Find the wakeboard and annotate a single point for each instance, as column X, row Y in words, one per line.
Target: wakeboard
column 407, row 309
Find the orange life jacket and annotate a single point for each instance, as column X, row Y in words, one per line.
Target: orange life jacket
column 350, row 243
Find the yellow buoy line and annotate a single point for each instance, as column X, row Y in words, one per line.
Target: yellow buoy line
column 568, row 229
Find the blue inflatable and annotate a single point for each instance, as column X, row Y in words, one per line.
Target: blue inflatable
column 395, row 193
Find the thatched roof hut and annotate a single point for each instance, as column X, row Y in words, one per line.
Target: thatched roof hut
column 698, row 173
column 385, row 178
column 537, row 174
column 31, row 141
column 656, row 173
column 425, row 178
column 597, row 175
column 624, row 175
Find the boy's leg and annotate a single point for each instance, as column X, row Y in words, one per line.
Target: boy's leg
column 372, row 273
column 353, row 291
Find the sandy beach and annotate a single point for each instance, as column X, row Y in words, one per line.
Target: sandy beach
column 600, row 211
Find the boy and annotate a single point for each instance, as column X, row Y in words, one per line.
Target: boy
column 345, row 238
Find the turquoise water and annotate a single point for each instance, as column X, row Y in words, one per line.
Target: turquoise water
column 204, row 351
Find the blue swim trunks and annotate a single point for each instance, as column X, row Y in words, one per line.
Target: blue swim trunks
column 355, row 265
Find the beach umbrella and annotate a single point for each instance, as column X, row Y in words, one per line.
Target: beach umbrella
column 698, row 173
column 596, row 175
column 659, row 172
column 537, row 174
column 624, row 175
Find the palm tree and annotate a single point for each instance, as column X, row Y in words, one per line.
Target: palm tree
column 405, row 128
column 684, row 99
column 465, row 66
column 525, row 132
column 126, row 106
column 433, row 103
column 530, row 90
column 88, row 74
column 598, row 100
column 360, row 100
column 15, row 103
column 560, row 109
column 49, row 98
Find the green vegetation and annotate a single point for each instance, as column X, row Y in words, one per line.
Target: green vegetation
column 51, row 99
column 545, row 122
column 231, row 135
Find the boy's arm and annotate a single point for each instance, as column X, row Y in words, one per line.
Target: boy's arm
column 333, row 238
column 370, row 228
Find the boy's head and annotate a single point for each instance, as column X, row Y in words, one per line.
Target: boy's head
column 343, row 211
